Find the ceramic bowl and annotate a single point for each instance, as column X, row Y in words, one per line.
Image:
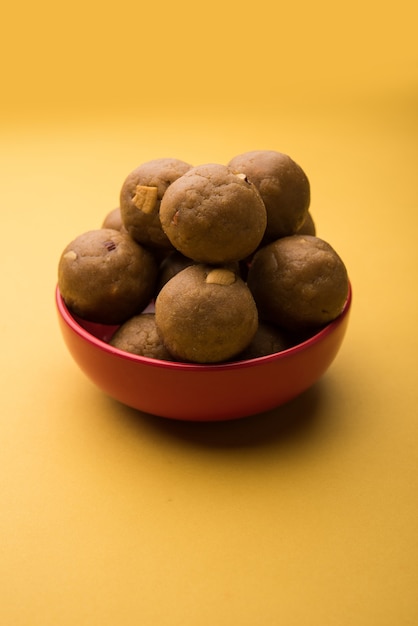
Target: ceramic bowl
column 186, row 391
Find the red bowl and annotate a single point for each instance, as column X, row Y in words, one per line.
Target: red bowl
column 194, row 392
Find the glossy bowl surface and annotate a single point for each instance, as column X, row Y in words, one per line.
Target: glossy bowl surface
column 194, row 392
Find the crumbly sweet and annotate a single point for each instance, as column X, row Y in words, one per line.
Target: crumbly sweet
column 104, row 276
column 140, row 199
column 139, row 336
column 283, row 186
column 298, row 282
column 171, row 265
column 212, row 214
column 206, row 314
column 228, row 252
column 268, row 339
column 308, row 227
column 113, row 219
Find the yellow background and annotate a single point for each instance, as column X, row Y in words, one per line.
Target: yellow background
column 306, row 515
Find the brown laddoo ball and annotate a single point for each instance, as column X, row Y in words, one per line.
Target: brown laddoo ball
column 213, row 215
column 104, row 276
column 171, row 265
column 206, row 314
column 268, row 339
column 298, row 282
column 140, row 199
column 283, row 186
column 139, row 336
column 308, row 227
column 113, row 219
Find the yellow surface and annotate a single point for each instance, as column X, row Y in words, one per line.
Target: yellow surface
column 306, row 515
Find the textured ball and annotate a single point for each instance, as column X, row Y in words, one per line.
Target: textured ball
column 213, row 215
column 298, row 282
column 206, row 314
column 104, row 276
column 283, row 186
column 140, row 199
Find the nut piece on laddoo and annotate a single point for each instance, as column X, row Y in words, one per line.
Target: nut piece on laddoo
column 140, row 199
column 298, row 282
column 283, row 186
column 139, row 336
column 104, row 276
column 213, row 215
column 206, row 314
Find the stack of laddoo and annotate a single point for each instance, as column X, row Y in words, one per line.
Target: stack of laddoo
column 207, row 264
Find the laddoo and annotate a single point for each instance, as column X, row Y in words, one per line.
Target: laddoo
column 268, row 339
column 283, row 186
column 213, row 215
column 113, row 219
column 104, row 276
column 206, row 314
column 298, row 282
column 139, row 336
column 171, row 265
column 308, row 227
column 140, row 199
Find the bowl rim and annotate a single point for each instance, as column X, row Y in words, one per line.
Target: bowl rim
column 84, row 334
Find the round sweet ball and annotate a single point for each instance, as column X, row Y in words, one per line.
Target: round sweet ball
column 268, row 339
column 298, row 282
column 213, row 215
column 139, row 336
column 113, row 219
column 206, row 314
column 283, row 186
column 104, row 276
column 140, row 199
column 308, row 227
column 171, row 265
